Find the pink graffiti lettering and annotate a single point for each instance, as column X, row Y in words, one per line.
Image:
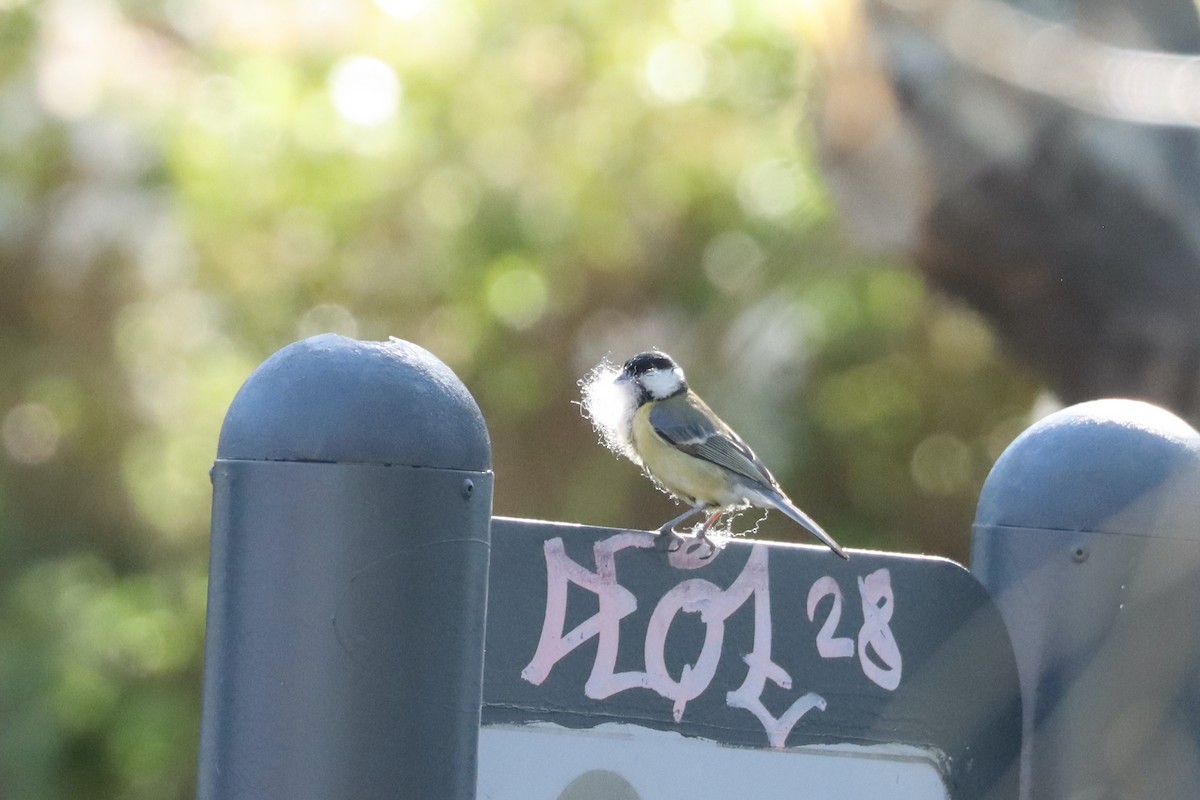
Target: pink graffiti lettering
column 762, row 668
column 616, row 603
column 713, row 604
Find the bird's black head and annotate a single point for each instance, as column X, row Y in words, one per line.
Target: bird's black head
column 655, row 374
column 644, row 362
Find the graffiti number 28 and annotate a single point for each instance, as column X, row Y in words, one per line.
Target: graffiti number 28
column 877, row 650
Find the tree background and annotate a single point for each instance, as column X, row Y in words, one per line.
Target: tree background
column 522, row 188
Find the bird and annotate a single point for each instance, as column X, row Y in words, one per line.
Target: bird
column 683, row 446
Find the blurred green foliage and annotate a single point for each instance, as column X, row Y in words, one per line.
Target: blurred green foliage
column 522, row 188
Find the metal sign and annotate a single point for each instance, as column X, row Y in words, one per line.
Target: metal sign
column 887, row 673
column 355, row 559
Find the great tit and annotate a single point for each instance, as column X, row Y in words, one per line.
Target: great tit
column 668, row 431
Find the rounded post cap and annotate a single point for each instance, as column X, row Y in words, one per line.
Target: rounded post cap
column 330, row 398
column 1105, row 466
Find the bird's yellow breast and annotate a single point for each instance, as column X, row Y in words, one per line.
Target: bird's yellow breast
column 691, row 478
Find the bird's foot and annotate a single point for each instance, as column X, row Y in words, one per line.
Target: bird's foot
column 701, row 540
column 667, row 540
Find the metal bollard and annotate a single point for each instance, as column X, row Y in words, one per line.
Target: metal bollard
column 1088, row 538
column 348, row 579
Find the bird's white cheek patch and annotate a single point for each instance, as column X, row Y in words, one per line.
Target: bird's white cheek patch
column 609, row 405
column 662, row 382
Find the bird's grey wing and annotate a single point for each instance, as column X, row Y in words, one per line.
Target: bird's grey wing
column 698, row 432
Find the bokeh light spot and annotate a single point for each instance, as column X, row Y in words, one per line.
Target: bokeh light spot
column 941, row 464
column 31, row 433
column 732, row 261
column 327, row 318
column 960, row 340
column 770, row 189
column 677, row 71
column 516, row 293
column 81, row 41
column 365, row 90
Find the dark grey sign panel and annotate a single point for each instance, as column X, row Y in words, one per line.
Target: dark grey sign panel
column 764, row 645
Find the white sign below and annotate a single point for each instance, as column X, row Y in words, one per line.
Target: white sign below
column 614, row 761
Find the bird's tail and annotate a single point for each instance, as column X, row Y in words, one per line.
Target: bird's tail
column 776, row 499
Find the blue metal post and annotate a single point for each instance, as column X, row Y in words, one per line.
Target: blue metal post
column 1088, row 538
column 348, row 579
